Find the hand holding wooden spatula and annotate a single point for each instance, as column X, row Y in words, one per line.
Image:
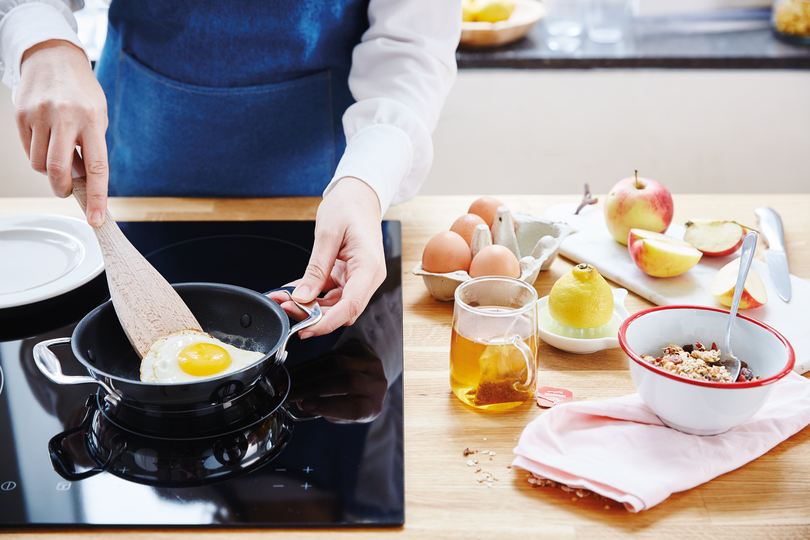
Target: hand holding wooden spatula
column 147, row 306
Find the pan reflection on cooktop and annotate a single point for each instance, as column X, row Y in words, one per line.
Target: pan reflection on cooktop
column 342, row 469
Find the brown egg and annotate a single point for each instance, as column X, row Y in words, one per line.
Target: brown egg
column 465, row 226
column 495, row 260
column 446, row 252
column 486, row 207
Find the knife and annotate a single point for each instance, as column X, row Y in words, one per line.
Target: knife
column 771, row 226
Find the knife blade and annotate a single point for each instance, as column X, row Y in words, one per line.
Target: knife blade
column 771, row 225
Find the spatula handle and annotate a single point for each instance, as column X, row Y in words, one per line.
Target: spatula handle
column 108, row 234
column 80, row 191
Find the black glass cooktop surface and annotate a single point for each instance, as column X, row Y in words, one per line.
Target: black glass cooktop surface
column 343, row 471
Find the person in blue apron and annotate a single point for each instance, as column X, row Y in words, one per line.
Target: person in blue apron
column 198, row 98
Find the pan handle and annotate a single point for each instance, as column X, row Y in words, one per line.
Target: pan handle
column 314, row 314
column 49, row 365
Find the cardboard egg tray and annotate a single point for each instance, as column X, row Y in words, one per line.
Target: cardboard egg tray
column 534, row 241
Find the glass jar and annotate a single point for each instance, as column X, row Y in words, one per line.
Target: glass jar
column 791, row 20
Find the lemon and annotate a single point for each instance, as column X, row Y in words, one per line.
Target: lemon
column 492, row 10
column 467, row 10
column 581, row 298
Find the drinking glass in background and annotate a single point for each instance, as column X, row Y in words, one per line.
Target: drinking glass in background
column 607, row 20
column 564, row 22
column 493, row 347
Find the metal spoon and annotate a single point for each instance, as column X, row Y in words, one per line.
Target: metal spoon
column 731, row 362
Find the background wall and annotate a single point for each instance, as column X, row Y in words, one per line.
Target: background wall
column 549, row 131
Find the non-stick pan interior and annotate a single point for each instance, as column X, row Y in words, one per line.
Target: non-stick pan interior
column 235, row 315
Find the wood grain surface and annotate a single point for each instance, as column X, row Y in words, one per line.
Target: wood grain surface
column 767, row 498
column 146, row 305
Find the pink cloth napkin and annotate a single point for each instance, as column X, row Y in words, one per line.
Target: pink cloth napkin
column 620, row 449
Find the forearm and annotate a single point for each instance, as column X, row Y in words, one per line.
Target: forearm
column 401, row 73
column 25, row 23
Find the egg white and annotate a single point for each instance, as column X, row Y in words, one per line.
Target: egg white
column 160, row 365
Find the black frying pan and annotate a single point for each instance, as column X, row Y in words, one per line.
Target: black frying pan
column 235, row 315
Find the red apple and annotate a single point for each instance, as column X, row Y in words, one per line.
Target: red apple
column 660, row 255
column 637, row 203
column 714, row 238
column 723, row 284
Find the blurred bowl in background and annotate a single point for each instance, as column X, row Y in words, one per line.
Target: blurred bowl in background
column 527, row 13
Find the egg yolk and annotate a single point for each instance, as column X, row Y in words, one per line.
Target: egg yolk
column 203, row 359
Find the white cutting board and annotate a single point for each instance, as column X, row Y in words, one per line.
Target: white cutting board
column 592, row 243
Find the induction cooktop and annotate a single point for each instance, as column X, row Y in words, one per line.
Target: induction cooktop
column 341, row 472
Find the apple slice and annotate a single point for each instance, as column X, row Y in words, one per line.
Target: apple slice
column 722, row 287
column 714, row 238
column 660, row 255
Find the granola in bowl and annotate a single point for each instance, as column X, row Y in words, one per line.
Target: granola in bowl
column 697, row 362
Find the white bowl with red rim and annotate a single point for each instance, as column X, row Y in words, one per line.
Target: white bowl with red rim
column 696, row 406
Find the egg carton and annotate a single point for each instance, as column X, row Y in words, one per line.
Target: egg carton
column 539, row 239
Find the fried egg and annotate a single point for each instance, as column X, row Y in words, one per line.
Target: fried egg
column 190, row 356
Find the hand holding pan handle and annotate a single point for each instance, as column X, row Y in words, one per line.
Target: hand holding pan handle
column 49, row 365
column 314, row 314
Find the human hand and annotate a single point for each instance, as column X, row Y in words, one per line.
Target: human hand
column 60, row 105
column 347, row 258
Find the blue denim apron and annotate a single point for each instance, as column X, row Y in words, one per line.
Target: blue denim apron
column 227, row 99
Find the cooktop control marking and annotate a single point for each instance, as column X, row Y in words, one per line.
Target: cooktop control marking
column 2, row 380
column 63, row 486
column 306, row 486
column 308, row 470
column 8, row 486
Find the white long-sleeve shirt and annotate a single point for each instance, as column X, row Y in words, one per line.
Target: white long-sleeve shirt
column 401, row 73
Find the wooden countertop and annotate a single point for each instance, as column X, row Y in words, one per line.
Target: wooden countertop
column 769, row 497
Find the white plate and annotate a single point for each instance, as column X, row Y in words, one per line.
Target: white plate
column 43, row 256
column 585, row 346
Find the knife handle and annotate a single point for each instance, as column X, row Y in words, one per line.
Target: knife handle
column 771, row 226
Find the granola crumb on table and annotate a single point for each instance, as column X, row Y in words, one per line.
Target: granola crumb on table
column 581, row 493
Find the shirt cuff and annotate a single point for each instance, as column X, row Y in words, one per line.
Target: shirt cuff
column 27, row 25
column 377, row 154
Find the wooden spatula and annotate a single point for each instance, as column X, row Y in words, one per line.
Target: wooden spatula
column 147, row 306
